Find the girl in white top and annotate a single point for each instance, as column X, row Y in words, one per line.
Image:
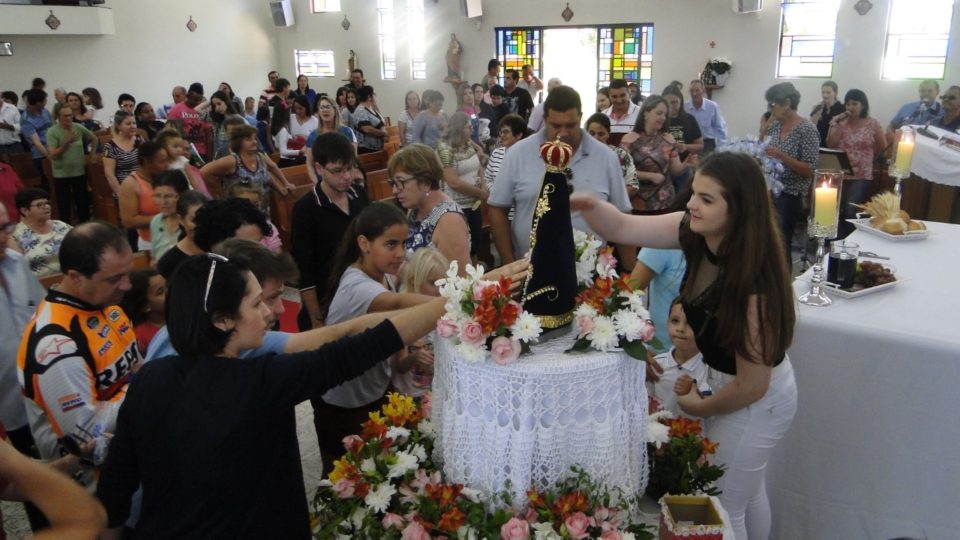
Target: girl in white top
column 683, row 358
column 420, row 275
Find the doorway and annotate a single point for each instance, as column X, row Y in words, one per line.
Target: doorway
column 570, row 54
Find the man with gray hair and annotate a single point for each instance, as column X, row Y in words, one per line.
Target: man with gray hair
column 708, row 116
column 536, row 116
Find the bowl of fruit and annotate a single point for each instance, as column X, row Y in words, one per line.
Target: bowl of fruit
column 870, row 277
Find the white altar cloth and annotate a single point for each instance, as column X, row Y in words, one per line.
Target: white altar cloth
column 527, row 423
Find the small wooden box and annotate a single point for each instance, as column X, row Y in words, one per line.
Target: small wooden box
column 689, row 517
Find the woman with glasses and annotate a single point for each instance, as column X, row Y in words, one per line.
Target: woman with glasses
column 512, row 128
column 329, row 122
column 221, row 460
column 950, row 120
column 165, row 226
column 795, row 142
column 37, row 236
column 435, row 219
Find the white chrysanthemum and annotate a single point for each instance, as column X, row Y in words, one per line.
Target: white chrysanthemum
column 628, row 324
column 467, row 532
column 378, row 499
column 368, row 465
column 405, row 463
column 635, row 303
column 657, row 434
column 470, row 353
column 604, row 334
column 473, row 495
column 357, row 517
column 425, row 427
column 584, row 272
column 544, row 531
column 418, row 451
column 585, row 310
column 397, row 433
column 579, row 237
column 526, row 328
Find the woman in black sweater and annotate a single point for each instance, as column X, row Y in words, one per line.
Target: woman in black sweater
column 212, row 438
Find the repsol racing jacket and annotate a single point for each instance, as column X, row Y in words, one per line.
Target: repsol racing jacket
column 74, row 363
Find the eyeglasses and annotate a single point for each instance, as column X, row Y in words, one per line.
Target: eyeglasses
column 40, row 204
column 339, row 171
column 948, row 97
column 214, row 259
column 399, row 183
column 325, row 107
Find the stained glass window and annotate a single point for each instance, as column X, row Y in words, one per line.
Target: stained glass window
column 314, row 63
column 918, row 36
column 517, row 47
column 388, row 41
column 417, row 40
column 808, row 31
column 626, row 52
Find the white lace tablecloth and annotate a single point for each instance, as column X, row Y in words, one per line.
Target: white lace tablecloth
column 528, row 422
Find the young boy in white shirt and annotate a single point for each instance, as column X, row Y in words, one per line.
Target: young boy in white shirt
column 683, row 358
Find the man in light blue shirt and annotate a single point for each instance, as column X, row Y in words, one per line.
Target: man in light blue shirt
column 920, row 112
column 594, row 167
column 707, row 114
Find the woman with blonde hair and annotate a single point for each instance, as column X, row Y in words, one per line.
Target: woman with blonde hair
column 436, row 221
column 329, row 115
column 462, row 161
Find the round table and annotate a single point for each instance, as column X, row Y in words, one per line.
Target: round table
column 524, row 425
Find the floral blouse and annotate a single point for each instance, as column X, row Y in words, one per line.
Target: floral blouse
column 802, row 143
column 421, row 232
column 41, row 250
column 859, row 144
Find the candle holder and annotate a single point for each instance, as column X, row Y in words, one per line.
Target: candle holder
column 824, row 218
column 903, row 161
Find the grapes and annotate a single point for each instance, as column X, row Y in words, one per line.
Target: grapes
column 870, row 274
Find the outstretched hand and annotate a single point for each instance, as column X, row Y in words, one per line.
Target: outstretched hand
column 582, row 201
column 516, row 271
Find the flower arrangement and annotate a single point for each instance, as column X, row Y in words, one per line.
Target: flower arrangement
column 719, row 65
column 387, row 487
column 678, row 455
column 481, row 317
column 610, row 313
column 586, row 250
column 755, row 148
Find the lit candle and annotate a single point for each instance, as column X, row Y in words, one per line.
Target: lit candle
column 905, row 151
column 825, row 207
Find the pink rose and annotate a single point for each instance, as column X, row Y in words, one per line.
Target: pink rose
column 577, row 524
column 515, row 529
column 344, row 488
column 415, row 531
column 351, row 441
column 531, row 515
column 446, row 328
column 648, row 331
column 426, row 405
column 584, row 325
column 611, row 535
column 472, row 334
column 392, row 520
column 504, row 350
column 607, row 260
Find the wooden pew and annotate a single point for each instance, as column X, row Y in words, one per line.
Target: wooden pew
column 104, row 205
column 22, row 164
column 378, row 188
column 281, row 208
column 373, row 161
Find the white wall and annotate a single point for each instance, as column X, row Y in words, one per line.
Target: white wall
column 683, row 30
column 152, row 51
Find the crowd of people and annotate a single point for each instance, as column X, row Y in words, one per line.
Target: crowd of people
column 87, row 388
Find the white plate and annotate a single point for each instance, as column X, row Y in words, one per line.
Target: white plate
column 864, row 225
column 835, row 290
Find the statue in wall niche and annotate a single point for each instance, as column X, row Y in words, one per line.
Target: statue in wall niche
column 454, row 55
column 351, row 62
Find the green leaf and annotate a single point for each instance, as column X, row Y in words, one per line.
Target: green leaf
column 580, row 345
column 634, row 349
column 656, row 344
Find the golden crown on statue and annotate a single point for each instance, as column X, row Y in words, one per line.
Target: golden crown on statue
column 556, row 154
